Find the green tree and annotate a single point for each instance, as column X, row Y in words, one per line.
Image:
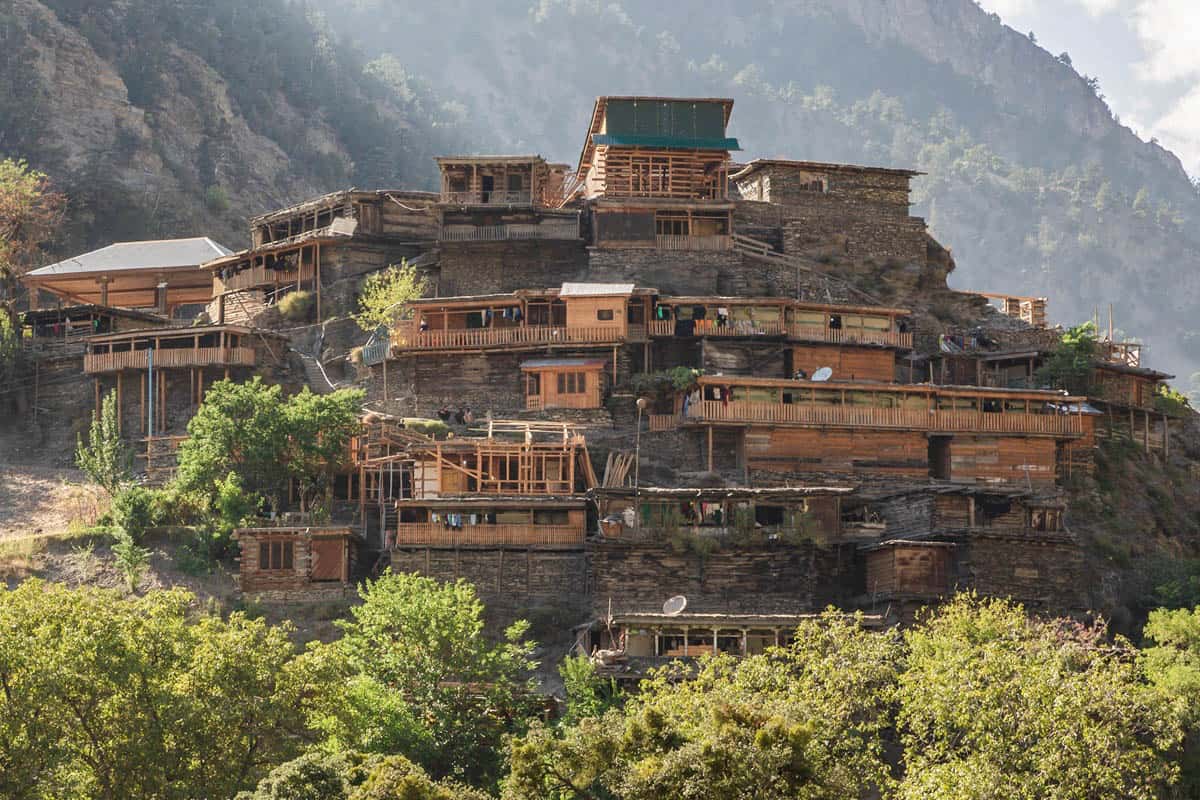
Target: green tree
column 995, row 703
column 384, row 293
column 319, row 429
column 319, row 775
column 30, row 214
column 132, row 559
column 251, row 430
column 1171, row 659
column 416, row 663
column 144, row 698
column 106, row 459
column 806, row 721
column 1072, row 361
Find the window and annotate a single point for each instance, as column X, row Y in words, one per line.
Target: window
column 572, row 382
column 667, row 224
column 514, row 182
column 275, row 556
column 604, row 314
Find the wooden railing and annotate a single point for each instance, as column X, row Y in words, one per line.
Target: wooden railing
column 816, row 333
column 1127, row 353
column 482, row 198
column 501, row 233
column 189, row 357
column 671, row 242
column 864, row 417
column 259, row 275
column 663, row 422
column 806, row 333
column 438, row 535
column 471, row 338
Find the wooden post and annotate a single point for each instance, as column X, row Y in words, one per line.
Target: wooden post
column 317, row 276
column 142, row 403
column 710, row 448
column 119, row 414
column 36, row 378
column 162, row 400
column 685, row 640
column 97, row 396
column 714, row 630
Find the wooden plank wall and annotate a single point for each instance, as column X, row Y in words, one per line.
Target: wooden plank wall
column 847, row 363
column 797, row 449
column 1007, row 458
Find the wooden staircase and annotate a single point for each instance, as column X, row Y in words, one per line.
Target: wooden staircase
column 764, row 252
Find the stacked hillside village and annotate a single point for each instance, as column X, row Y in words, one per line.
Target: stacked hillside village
column 844, row 430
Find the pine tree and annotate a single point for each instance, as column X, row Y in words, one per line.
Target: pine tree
column 106, row 459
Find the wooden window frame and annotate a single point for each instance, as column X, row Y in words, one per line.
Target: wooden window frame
column 280, row 555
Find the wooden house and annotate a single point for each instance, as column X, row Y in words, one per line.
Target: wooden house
column 164, row 276
column 64, row 330
column 812, row 513
column 311, row 244
column 786, row 182
column 564, row 383
column 503, row 198
column 955, row 433
column 296, row 563
column 901, row 568
column 174, row 365
column 654, row 171
column 575, row 315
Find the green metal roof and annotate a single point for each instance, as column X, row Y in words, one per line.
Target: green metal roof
column 675, row 142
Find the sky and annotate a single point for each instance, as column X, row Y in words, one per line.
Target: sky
column 1146, row 54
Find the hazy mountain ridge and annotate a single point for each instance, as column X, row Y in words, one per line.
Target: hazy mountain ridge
column 161, row 118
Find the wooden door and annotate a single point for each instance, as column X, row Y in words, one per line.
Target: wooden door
column 326, row 562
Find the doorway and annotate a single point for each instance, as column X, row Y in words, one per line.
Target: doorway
column 939, row 457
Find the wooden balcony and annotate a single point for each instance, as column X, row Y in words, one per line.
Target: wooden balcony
column 706, row 243
column 482, row 198
column 259, row 276
column 168, row 358
column 662, row 422
column 933, row 421
column 512, row 232
column 520, row 336
column 803, row 333
column 436, row 534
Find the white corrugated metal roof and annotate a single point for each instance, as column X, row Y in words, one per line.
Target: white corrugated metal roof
column 155, row 254
column 594, row 289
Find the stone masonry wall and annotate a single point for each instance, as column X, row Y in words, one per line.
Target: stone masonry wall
column 469, row 268
column 1044, row 574
column 503, row 576
column 639, row 576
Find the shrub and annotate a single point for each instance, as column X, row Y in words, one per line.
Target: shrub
column 216, row 199
column 131, row 559
column 1070, row 365
column 1171, row 401
column 384, row 295
column 297, row 306
column 136, row 510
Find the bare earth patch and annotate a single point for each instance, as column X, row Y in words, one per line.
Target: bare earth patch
column 45, row 500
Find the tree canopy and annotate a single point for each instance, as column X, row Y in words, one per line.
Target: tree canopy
column 250, row 429
column 384, row 293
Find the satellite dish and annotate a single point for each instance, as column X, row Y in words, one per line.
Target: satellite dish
column 675, row 606
column 823, row 374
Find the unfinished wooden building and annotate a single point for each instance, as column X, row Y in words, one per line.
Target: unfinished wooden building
column 654, row 171
column 160, row 375
column 316, row 246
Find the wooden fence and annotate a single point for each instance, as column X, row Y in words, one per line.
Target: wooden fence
column 744, row 411
column 471, row 338
column 163, row 358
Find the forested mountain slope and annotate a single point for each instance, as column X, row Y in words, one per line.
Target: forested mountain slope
column 1032, row 182
column 162, row 118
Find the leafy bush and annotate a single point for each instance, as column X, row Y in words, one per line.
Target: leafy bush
column 106, row 459
column 1171, row 401
column 132, row 559
column 430, row 427
column 297, row 306
column 1071, row 363
column 384, row 295
column 137, row 509
column 216, row 199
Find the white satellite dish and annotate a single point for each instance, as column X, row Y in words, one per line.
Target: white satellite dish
column 823, row 374
column 675, row 606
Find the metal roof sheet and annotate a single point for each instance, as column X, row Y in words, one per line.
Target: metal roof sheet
column 155, row 254
column 594, row 289
column 544, row 363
